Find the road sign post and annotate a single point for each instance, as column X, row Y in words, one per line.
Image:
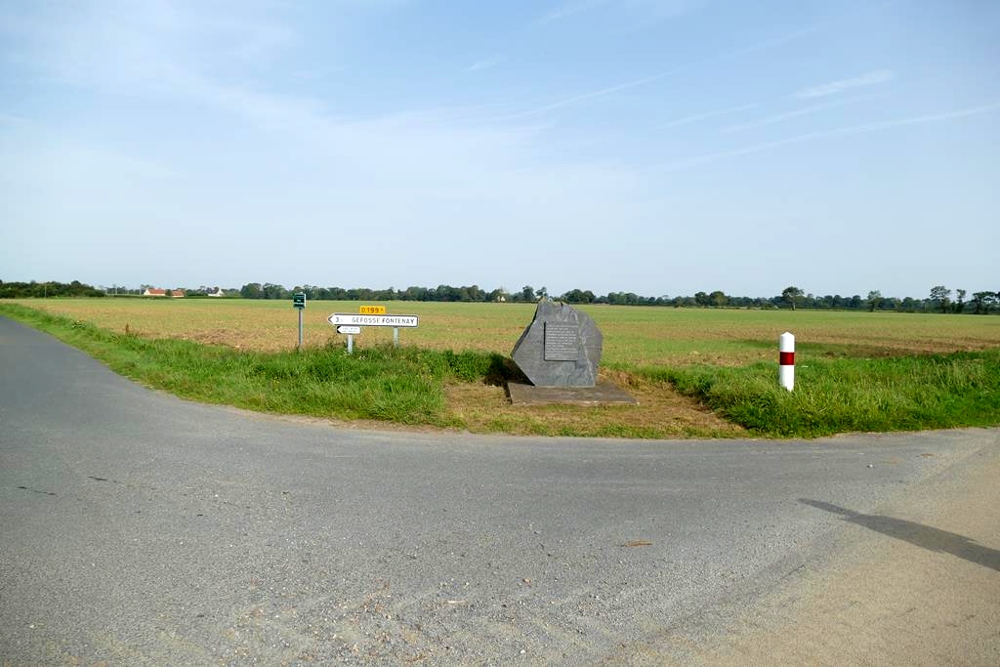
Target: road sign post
column 299, row 303
column 370, row 316
column 373, row 320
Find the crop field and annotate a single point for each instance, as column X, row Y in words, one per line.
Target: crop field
column 634, row 336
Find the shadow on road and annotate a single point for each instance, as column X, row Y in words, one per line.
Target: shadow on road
column 917, row 534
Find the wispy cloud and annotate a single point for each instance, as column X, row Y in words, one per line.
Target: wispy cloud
column 781, row 117
column 834, row 87
column 643, row 11
column 567, row 101
column 568, row 9
column 722, row 57
column 13, row 121
column 839, row 132
column 486, row 63
column 687, row 120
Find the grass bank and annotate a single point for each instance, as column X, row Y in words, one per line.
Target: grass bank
column 404, row 386
column 834, row 392
column 906, row 393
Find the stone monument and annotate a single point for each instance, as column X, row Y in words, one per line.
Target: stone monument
column 560, row 348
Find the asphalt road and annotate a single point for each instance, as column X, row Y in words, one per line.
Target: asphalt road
column 139, row 529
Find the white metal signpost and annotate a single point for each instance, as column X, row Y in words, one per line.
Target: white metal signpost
column 351, row 323
column 373, row 320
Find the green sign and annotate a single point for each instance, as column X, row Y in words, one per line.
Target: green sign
column 299, row 300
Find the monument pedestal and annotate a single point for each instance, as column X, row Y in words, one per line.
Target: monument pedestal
column 602, row 393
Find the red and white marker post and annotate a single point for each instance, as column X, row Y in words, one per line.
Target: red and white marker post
column 786, row 360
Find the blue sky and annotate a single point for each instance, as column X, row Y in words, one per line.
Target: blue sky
column 662, row 147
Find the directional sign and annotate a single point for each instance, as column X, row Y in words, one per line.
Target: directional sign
column 299, row 300
column 373, row 320
column 348, row 329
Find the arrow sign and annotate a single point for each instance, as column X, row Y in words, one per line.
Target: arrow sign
column 347, row 329
column 353, row 319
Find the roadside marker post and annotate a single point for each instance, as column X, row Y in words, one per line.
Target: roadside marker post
column 299, row 303
column 786, row 361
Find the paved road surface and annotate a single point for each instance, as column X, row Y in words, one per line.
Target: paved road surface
column 138, row 529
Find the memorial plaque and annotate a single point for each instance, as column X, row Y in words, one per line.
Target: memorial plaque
column 560, row 348
column 562, row 342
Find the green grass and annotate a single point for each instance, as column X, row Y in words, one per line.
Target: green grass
column 836, row 389
column 404, row 385
column 848, row 394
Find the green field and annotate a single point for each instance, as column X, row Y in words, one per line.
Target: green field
column 696, row 372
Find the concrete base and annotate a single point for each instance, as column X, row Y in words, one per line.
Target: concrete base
column 604, row 393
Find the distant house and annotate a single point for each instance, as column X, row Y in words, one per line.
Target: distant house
column 216, row 291
column 156, row 291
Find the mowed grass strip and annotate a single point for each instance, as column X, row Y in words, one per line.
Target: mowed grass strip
column 877, row 384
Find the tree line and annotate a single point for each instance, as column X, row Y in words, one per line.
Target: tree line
column 939, row 299
column 34, row 289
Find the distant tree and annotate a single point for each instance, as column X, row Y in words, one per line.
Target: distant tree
column 979, row 300
column 718, row 299
column 414, row 293
column 983, row 301
column 543, row 293
column 791, row 294
column 874, row 299
column 960, row 300
column 578, row 296
column 941, row 297
column 528, row 293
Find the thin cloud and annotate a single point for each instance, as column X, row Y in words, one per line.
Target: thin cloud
column 781, row 117
column 567, row 10
column 13, row 121
column 576, row 7
column 729, row 55
column 591, row 95
column 839, row 132
column 484, row 64
column 687, row 120
column 834, row 87
column 647, row 11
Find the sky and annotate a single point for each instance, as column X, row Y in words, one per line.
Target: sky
column 661, row 147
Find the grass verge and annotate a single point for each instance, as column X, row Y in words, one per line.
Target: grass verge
column 908, row 393
column 404, row 386
column 441, row 388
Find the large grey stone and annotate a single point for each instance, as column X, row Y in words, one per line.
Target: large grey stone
column 560, row 348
